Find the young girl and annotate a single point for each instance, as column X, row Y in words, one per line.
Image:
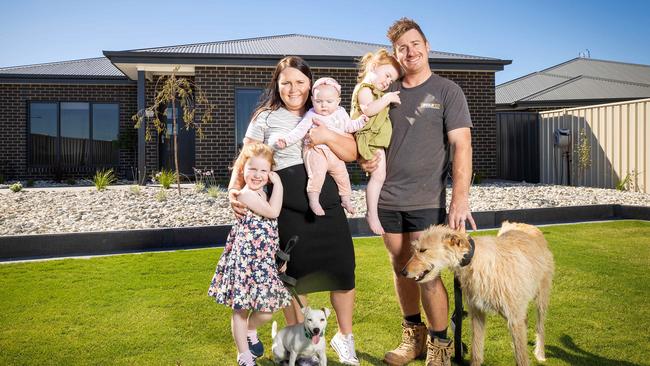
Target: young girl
column 246, row 278
column 377, row 71
column 319, row 159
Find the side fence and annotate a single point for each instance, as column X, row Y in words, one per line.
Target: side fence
column 608, row 146
column 518, row 146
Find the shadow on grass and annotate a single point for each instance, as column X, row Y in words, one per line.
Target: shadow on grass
column 366, row 358
column 578, row 356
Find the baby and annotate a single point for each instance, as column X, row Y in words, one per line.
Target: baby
column 319, row 159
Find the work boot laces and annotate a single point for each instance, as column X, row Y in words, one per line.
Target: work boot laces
column 437, row 353
column 409, row 340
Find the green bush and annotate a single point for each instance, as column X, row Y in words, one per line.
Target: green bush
column 165, row 177
column 161, row 195
column 103, row 178
column 214, row 192
column 16, row 187
column 30, row 183
column 70, row 181
column 199, row 187
column 135, row 189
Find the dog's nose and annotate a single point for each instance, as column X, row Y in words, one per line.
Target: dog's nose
column 316, row 330
column 404, row 272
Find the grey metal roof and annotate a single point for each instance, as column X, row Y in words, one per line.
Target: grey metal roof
column 603, row 69
column 91, row 67
column 119, row 66
column 291, row 44
column 578, row 79
column 512, row 92
column 584, row 87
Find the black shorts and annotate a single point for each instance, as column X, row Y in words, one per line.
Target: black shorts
column 397, row 222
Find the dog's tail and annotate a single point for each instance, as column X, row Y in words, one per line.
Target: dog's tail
column 274, row 329
column 516, row 226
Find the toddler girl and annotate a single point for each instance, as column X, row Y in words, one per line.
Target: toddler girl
column 377, row 71
column 246, row 278
column 319, row 159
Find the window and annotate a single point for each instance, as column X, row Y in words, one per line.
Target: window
column 73, row 134
column 106, row 131
column 43, row 133
column 246, row 99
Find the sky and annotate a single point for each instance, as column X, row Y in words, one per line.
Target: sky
column 534, row 35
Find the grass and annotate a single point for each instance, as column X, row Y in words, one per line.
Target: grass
column 152, row 309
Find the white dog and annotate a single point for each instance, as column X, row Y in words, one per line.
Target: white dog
column 304, row 339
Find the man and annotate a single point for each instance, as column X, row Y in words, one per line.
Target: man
column 431, row 120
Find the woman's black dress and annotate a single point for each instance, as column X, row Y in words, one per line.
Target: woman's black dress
column 323, row 259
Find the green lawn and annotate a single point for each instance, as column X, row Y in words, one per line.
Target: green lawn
column 152, row 309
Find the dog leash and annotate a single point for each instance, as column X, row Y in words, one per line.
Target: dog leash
column 457, row 320
column 459, row 313
column 282, row 257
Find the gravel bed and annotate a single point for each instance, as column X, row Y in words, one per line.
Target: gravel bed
column 62, row 209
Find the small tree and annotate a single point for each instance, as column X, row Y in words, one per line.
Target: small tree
column 170, row 89
column 584, row 152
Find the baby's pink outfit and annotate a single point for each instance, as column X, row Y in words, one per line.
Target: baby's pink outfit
column 319, row 159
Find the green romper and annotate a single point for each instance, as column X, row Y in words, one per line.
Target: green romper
column 376, row 133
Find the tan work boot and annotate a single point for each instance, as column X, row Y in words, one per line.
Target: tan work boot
column 439, row 352
column 414, row 338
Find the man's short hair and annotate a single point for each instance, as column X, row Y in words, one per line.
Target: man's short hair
column 402, row 26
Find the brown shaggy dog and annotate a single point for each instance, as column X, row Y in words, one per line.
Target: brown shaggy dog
column 499, row 274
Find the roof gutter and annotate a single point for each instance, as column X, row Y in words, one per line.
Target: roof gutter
column 271, row 60
column 64, row 79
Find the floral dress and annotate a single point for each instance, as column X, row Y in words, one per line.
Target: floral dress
column 246, row 276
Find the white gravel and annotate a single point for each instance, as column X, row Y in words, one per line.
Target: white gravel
column 76, row 209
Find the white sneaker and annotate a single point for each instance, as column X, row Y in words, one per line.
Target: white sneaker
column 344, row 347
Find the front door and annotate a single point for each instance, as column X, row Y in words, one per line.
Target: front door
column 186, row 145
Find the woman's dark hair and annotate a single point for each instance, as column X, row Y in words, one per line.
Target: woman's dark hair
column 271, row 100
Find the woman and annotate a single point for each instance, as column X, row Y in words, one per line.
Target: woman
column 323, row 259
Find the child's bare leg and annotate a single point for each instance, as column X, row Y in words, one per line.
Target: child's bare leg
column 314, row 203
column 372, row 194
column 255, row 320
column 316, row 166
column 339, row 172
column 239, row 325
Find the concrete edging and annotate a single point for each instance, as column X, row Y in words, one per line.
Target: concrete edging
column 111, row 242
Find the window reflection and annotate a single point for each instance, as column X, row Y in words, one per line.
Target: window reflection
column 60, row 134
column 75, row 134
column 105, row 134
column 43, row 133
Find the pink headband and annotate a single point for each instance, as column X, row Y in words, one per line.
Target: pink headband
column 326, row 81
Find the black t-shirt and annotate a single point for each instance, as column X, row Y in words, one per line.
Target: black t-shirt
column 418, row 154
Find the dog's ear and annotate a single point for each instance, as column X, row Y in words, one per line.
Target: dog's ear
column 326, row 311
column 306, row 310
column 455, row 239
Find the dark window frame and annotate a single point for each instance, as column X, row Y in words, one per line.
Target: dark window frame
column 58, row 165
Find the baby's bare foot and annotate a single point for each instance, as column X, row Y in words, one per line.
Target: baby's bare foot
column 314, row 203
column 347, row 205
column 375, row 225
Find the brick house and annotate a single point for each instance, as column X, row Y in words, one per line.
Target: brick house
column 67, row 119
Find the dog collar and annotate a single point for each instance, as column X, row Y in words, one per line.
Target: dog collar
column 469, row 255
